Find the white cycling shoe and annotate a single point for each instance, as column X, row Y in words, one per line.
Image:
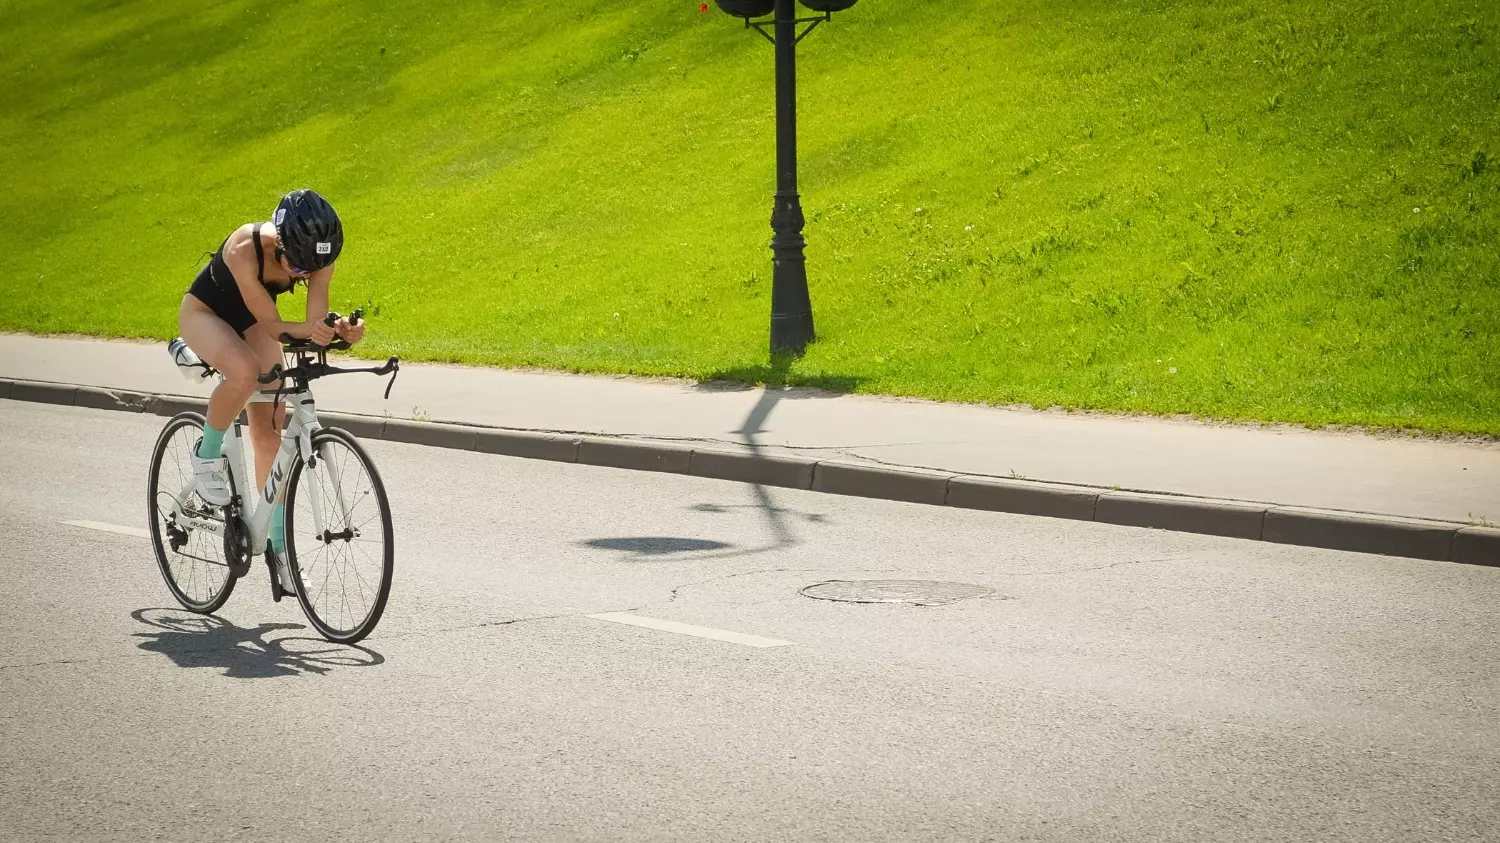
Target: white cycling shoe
column 211, row 478
column 283, row 583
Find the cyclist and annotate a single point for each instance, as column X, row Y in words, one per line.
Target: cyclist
column 229, row 319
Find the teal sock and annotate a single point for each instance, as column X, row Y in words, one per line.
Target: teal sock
column 213, row 442
column 278, row 532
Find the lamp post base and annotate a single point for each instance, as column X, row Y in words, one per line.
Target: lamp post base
column 791, row 306
column 791, row 334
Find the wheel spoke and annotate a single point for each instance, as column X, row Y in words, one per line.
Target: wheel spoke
column 364, row 586
column 342, row 586
column 192, row 573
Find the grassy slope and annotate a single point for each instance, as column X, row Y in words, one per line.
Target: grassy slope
column 1289, row 203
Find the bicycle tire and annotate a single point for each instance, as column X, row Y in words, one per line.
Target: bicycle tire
column 317, row 562
column 199, row 584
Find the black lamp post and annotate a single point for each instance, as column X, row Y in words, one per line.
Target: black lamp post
column 791, row 307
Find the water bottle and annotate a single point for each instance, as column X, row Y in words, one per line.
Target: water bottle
column 187, row 362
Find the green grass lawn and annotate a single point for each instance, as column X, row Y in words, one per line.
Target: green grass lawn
column 1248, row 210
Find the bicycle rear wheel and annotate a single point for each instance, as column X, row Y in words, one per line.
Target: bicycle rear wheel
column 195, row 563
column 342, row 566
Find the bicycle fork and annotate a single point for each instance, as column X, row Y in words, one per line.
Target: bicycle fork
column 315, row 464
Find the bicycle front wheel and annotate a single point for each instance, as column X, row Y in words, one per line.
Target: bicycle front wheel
column 338, row 537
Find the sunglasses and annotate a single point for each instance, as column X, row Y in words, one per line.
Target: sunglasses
column 281, row 253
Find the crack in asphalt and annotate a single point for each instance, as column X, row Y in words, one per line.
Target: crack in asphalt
column 674, row 593
column 1097, row 567
column 59, row 662
column 484, row 625
column 672, row 596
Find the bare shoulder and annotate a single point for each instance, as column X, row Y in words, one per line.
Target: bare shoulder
column 238, row 247
column 239, row 252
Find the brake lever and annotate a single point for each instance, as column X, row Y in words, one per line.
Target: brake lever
column 273, row 375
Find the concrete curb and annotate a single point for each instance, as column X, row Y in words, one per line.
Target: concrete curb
column 1335, row 530
column 457, row 437
column 362, row 426
column 43, row 393
column 1367, row 534
column 1476, row 546
column 1023, row 497
column 107, row 399
column 632, row 454
column 1185, row 514
column 531, row 446
column 910, row 485
column 788, row 472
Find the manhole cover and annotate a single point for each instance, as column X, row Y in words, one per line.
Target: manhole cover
column 918, row 592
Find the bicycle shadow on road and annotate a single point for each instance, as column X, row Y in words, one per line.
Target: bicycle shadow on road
column 192, row 640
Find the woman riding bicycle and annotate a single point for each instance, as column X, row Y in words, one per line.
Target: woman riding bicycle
column 229, row 319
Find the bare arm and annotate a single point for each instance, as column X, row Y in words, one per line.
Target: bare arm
column 239, row 256
column 317, row 306
column 317, row 294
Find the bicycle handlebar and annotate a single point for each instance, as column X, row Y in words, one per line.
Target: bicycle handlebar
column 291, row 343
column 308, row 369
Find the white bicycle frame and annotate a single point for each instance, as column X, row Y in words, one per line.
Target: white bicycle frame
column 295, row 440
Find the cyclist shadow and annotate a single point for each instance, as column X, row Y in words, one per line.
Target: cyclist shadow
column 192, row 640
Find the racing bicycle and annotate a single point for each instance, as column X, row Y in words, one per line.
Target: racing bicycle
column 339, row 548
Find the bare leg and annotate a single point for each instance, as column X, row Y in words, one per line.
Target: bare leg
column 265, row 424
column 217, row 344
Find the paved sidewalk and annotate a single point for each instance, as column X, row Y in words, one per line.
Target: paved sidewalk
column 1410, row 477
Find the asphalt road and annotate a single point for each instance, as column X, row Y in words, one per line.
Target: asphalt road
column 1118, row 684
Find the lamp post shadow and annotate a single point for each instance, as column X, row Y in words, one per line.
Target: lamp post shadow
column 755, row 424
column 782, row 535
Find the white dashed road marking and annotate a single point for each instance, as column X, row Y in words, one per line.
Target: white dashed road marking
column 689, row 629
column 110, row 528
